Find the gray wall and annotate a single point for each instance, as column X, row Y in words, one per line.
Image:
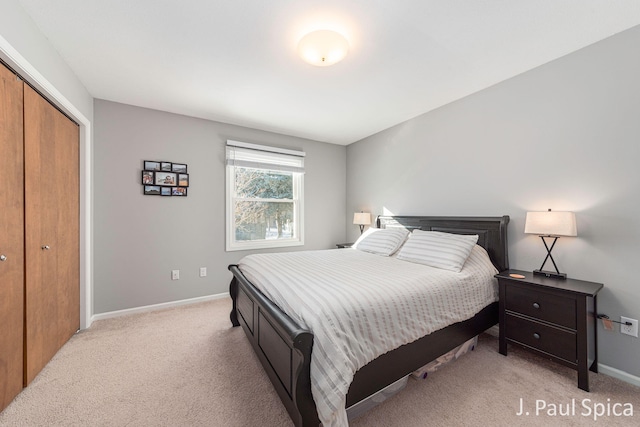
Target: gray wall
column 564, row 136
column 139, row 239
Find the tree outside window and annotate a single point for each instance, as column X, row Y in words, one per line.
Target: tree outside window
column 263, row 205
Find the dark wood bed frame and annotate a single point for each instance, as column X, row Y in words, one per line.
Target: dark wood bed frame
column 284, row 348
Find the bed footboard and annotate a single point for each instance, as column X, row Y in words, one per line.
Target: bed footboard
column 284, row 349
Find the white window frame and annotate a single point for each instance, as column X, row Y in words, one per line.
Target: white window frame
column 298, row 194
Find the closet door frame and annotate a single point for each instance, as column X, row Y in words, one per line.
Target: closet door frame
column 30, row 74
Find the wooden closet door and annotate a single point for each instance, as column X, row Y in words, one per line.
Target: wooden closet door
column 52, row 283
column 11, row 237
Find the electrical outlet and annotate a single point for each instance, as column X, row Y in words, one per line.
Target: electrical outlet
column 175, row 274
column 203, row 271
column 629, row 329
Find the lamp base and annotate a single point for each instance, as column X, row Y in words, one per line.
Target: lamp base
column 551, row 274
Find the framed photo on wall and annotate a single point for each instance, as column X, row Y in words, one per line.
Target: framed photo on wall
column 147, row 178
column 166, row 178
column 160, row 178
column 179, row 167
column 152, row 190
column 179, row 191
column 151, row 165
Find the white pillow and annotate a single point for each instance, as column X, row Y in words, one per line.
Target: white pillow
column 381, row 241
column 436, row 249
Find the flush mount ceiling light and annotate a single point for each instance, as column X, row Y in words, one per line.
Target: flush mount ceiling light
column 323, row 47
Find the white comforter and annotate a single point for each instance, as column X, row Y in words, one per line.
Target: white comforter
column 360, row 305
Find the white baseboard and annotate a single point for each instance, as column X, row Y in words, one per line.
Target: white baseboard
column 154, row 307
column 617, row 373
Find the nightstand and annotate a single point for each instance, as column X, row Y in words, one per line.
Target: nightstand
column 553, row 317
column 344, row 245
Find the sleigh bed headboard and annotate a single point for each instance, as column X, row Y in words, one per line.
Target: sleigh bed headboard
column 491, row 231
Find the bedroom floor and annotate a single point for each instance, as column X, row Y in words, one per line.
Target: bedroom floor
column 187, row 366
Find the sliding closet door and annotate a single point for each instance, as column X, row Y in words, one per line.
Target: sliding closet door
column 11, row 237
column 51, row 144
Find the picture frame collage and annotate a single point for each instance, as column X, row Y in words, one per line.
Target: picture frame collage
column 164, row 178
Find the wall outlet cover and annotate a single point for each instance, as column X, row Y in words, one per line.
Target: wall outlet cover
column 175, row 274
column 203, row 271
column 629, row 329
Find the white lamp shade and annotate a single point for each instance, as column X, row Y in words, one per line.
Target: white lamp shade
column 323, row 47
column 362, row 218
column 551, row 223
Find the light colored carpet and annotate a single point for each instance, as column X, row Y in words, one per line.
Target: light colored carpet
column 187, row 366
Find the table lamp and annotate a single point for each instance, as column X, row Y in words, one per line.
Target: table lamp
column 362, row 219
column 550, row 224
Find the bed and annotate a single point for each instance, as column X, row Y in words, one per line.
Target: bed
column 284, row 347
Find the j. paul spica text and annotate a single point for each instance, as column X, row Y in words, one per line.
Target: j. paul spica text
column 573, row 407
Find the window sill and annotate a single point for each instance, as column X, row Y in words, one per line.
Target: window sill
column 264, row 244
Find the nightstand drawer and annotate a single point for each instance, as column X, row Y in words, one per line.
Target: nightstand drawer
column 540, row 305
column 555, row 341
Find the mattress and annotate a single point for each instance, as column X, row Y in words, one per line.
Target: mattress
column 360, row 305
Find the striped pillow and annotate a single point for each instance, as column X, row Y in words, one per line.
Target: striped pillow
column 381, row 241
column 436, row 249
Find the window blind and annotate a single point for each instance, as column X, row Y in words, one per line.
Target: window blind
column 255, row 156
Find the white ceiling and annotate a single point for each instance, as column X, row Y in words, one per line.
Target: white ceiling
column 235, row 61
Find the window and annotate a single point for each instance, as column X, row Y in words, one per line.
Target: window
column 264, row 196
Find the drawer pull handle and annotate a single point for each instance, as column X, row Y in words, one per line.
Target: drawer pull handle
column 536, row 335
column 536, row 305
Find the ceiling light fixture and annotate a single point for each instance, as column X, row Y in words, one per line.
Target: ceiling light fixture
column 323, row 48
